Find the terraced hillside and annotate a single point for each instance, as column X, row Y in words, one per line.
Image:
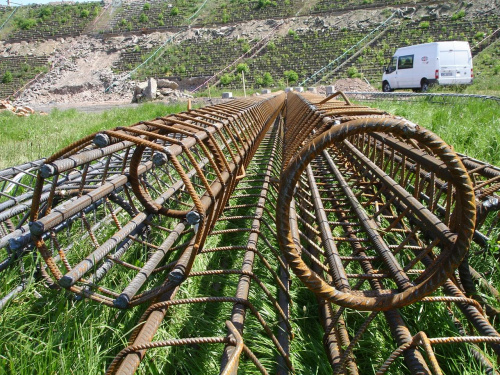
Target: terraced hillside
column 138, row 16
column 51, row 21
column 232, row 11
column 212, row 35
column 17, row 71
column 307, row 51
column 336, row 5
column 188, row 59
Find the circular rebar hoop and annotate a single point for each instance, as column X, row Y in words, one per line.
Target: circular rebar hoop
column 458, row 238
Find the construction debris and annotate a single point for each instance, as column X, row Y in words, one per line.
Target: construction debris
column 21, row 111
column 161, row 90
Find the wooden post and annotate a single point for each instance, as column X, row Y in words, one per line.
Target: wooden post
column 243, row 77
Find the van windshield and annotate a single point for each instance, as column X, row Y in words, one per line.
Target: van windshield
column 392, row 65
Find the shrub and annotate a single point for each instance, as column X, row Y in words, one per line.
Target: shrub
column 242, row 67
column 292, row 32
column 496, row 69
column 146, row 6
column 123, row 22
column 174, row 11
column 265, row 3
column 479, row 35
column 161, row 23
column 226, row 79
column 25, row 23
column 267, row 79
column 352, row 72
column 7, row 77
column 143, row 18
column 45, row 12
column 271, row 46
column 424, row 25
column 291, row 76
column 460, row 14
column 84, row 13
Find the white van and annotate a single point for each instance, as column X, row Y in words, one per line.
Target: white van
column 417, row 67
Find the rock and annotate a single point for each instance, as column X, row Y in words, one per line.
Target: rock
column 165, row 83
column 138, row 89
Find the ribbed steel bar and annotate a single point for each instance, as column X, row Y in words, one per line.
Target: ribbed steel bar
column 174, row 174
column 371, row 211
column 255, row 196
column 450, row 241
column 360, row 189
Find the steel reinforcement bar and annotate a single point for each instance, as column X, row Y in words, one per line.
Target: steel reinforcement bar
column 245, row 250
column 187, row 213
column 163, row 182
column 370, row 207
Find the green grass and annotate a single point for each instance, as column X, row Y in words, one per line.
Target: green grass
column 29, row 138
column 42, row 331
column 472, row 127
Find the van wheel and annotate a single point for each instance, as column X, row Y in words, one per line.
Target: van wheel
column 424, row 85
column 386, row 87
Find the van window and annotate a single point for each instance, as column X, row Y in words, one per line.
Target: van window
column 405, row 62
column 392, row 65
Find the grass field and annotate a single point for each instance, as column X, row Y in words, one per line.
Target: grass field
column 44, row 332
column 29, row 138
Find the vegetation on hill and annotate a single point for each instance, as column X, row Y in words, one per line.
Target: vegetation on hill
column 18, row 70
column 45, row 21
column 153, row 14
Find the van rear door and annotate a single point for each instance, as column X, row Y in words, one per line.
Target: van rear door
column 448, row 69
column 455, row 66
column 463, row 63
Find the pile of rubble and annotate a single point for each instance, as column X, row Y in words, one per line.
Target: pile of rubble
column 21, row 111
column 161, row 89
column 353, row 85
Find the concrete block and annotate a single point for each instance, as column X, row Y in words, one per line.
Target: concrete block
column 265, row 91
column 288, row 89
column 227, row 95
column 312, row 89
column 298, row 89
column 330, row 90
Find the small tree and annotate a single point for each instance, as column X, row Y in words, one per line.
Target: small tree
column 267, row 79
column 424, row 25
column 7, row 77
column 291, row 76
column 352, row 72
column 226, row 79
column 242, row 67
column 174, row 11
column 146, row 6
column 143, row 18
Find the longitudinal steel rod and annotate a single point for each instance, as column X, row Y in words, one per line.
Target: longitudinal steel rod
column 373, row 213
